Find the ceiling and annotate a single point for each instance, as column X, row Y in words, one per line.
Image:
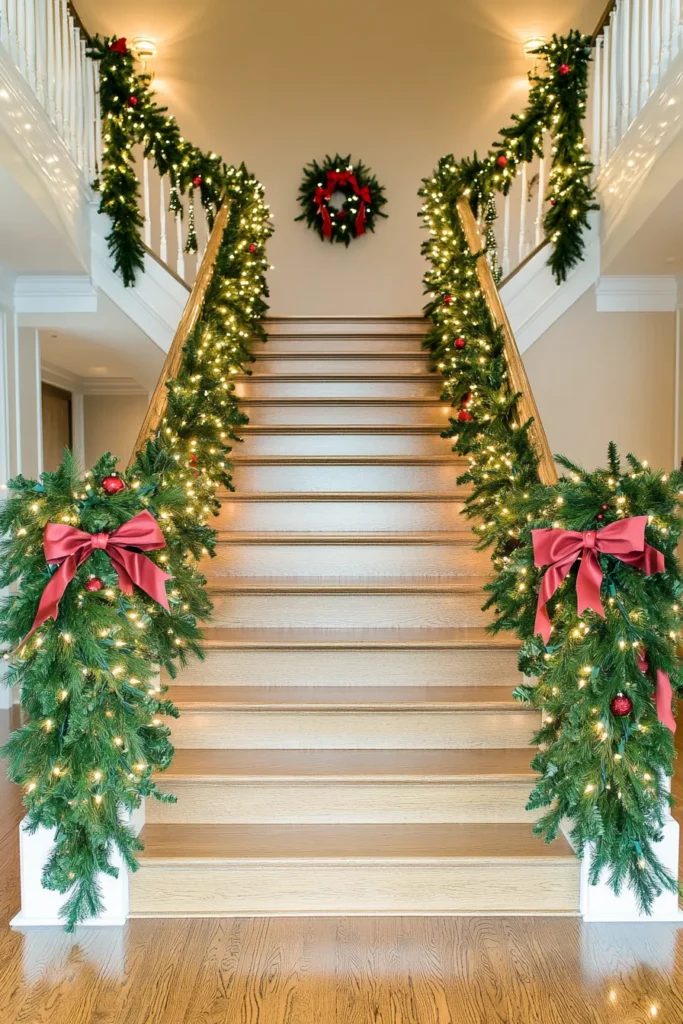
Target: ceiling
column 396, row 82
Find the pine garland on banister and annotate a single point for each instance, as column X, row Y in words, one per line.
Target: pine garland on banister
column 604, row 684
column 96, row 729
column 131, row 118
column 557, row 105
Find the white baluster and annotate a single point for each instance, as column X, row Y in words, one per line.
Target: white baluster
column 79, row 107
column 666, row 37
column 66, row 66
column 12, row 30
column 596, row 147
column 4, row 24
column 506, row 236
column 41, row 36
column 163, row 243
column 625, row 67
column 146, row 203
column 50, row 64
column 21, row 37
column 656, row 44
column 59, row 68
column 635, row 58
column 522, row 216
column 613, row 80
column 604, row 114
column 98, row 115
column 90, row 118
column 30, row 41
column 675, row 22
column 180, row 255
column 644, row 53
column 538, row 234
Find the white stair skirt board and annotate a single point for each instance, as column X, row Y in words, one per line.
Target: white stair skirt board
column 40, row 907
column 598, row 903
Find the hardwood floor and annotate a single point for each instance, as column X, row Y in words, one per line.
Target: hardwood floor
column 327, row 970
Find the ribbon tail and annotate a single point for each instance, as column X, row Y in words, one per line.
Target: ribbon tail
column 664, row 700
column 48, row 608
column 327, row 222
column 134, row 567
column 360, row 219
column 588, row 582
column 551, row 581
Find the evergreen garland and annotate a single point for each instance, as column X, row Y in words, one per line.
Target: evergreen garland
column 557, row 104
column 602, row 773
column 363, row 204
column 131, row 118
column 95, row 734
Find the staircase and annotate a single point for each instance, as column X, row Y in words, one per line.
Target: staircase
column 350, row 745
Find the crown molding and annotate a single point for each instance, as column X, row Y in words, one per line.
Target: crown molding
column 62, row 378
column 54, row 293
column 637, row 294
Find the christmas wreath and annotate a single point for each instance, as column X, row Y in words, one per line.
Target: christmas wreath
column 363, row 199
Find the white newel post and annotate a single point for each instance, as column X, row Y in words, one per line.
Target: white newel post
column 598, row 903
column 41, row 907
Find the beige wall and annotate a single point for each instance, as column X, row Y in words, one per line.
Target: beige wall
column 601, row 377
column 398, row 83
column 112, row 423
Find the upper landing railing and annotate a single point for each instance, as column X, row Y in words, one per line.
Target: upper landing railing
column 46, row 41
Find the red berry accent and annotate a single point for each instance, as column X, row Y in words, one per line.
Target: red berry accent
column 112, row 485
column 552, row 202
column 197, row 180
column 459, row 343
column 132, row 101
column 94, row 584
column 464, row 416
column 564, row 69
column 600, row 516
column 447, row 299
column 502, row 160
column 621, row 705
column 605, row 506
column 252, row 247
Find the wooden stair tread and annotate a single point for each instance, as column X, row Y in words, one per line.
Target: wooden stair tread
column 330, row 843
column 347, row 584
column 350, row 378
column 293, row 537
column 348, row 460
column 437, row 496
column 270, row 354
column 341, row 400
column 223, row 637
column 344, row 698
column 487, row 764
column 350, row 428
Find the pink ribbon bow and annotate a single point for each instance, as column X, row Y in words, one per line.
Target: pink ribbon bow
column 70, row 548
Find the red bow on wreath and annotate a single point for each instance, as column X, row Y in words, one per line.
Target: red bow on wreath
column 335, row 181
column 70, row 548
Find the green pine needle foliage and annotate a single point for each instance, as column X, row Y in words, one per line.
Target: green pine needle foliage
column 556, row 106
column 343, row 221
column 134, row 124
column 602, row 774
column 96, row 717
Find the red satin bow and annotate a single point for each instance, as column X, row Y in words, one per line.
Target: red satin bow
column 336, row 180
column 120, row 46
column 559, row 549
column 70, row 548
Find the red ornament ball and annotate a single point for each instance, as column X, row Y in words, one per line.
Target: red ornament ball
column 502, row 160
column 197, row 180
column 605, row 507
column 621, row 705
column 564, row 69
column 252, row 247
column 600, row 515
column 447, row 299
column 552, row 202
column 112, row 485
column 132, row 101
column 94, row 584
column 464, row 416
column 459, row 342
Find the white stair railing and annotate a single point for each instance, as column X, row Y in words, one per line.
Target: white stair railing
column 46, row 42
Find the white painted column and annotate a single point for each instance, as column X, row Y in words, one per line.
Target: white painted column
column 24, row 402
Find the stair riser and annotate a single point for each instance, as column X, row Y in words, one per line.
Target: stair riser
column 343, row 611
column 320, row 365
column 346, row 444
column 334, row 667
column 362, row 413
column 343, row 516
column 357, row 802
column 348, row 560
column 496, row 886
column 342, row 345
column 353, row 730
column 345, row 479
column 396, row 389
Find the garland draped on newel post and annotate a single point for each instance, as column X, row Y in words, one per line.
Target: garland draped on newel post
column 105, row 563
column 585, row 571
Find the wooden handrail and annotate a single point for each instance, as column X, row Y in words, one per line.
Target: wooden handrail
column 191, row 313
column 518, row 377
column 604, row 19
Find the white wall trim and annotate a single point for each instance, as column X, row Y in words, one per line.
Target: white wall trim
column 54, row 293
column 637, row 294
column 61, row 378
